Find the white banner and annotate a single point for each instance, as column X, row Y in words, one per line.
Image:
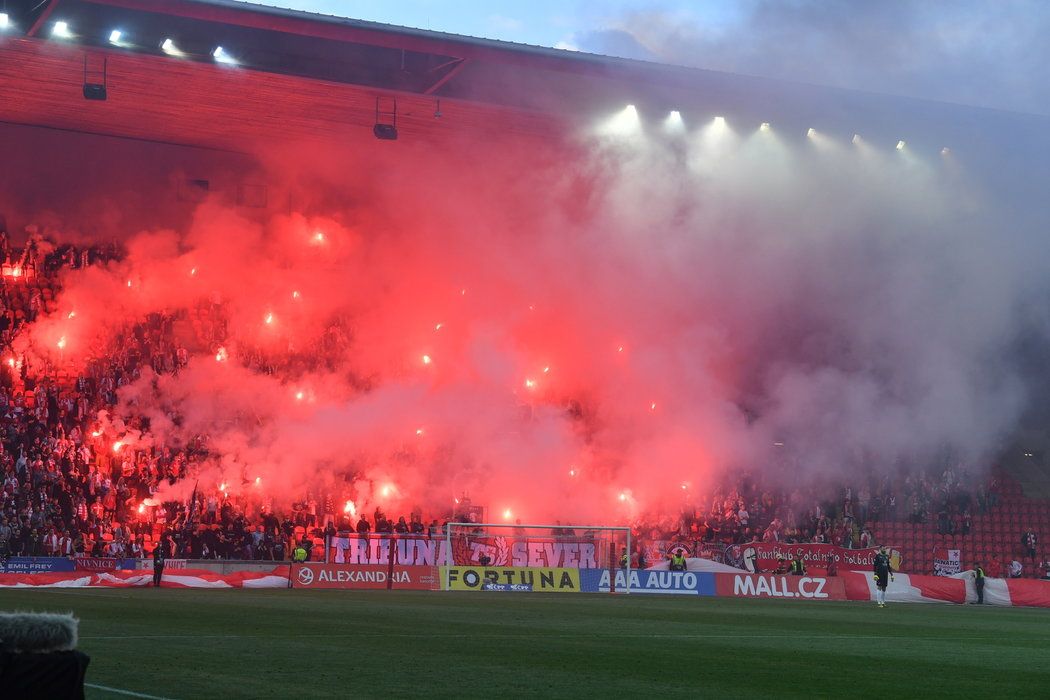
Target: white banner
column 947, row 562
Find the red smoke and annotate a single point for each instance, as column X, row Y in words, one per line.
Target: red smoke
column 573, row 331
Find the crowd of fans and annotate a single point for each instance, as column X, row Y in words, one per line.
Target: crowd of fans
column 68, row 488
column 828, row 512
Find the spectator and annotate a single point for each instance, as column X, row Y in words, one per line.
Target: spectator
column 1028, row 541
column 363, row 526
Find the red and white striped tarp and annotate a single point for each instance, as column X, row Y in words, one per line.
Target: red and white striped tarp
column 958, row 588
column 178, row 578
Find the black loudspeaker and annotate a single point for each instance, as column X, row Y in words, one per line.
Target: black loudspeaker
column 386, row 132
column 93, row 91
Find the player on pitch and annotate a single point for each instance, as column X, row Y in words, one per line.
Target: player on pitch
column 883, row 575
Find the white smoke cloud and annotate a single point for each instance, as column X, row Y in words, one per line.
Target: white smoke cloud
column 645, row 310
column 989, row 53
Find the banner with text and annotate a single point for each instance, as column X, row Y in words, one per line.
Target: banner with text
column 772, row 586
column 103, row 564
column 946, row 561
column 365, row 576
column 521, row 579
column 35, row 565
column 648, row 581
column 168, row 563
column 763, row 557
column 466, row 550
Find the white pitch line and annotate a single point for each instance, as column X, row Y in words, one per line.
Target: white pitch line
column 130, row 693
column 423, row 635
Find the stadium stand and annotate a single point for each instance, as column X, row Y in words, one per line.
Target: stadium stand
column 68, row 489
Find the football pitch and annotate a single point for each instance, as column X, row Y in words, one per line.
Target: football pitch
column 177, row 643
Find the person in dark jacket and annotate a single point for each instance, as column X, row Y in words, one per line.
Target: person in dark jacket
column 883, row 576
column 978, row 582
column 159, row 556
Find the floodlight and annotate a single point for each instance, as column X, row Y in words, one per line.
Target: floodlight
column 220, row 55
column 61, row 30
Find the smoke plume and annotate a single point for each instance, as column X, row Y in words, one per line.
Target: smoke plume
column 588, row 330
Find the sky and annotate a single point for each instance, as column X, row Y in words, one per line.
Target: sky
column 988, row 53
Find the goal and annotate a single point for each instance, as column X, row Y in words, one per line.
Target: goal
column 503, row 545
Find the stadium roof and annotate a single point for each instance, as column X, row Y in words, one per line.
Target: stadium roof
column 308, row 73
column 314, row 46
column 288, row 75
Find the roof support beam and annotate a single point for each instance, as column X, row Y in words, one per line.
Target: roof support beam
column 458, row 65
column 42, row 19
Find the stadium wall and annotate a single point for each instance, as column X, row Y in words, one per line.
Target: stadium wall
column 706, row 578
column 104, row 187
column 849, row 586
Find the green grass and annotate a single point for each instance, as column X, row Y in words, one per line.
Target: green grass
column 300, row 644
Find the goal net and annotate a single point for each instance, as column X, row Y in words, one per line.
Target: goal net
column 495, row 546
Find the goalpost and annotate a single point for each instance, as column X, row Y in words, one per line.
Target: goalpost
column 510, row 545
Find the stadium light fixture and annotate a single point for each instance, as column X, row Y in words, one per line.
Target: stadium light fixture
column 720, row 121
column 5, row 20
column 622, row 123
column 114, row 36
column 811, row 132
column 168, row 46
column 627, row 120
column 900, row 145
column 61, row 30
column 674, row 123
column 764, row 126
column 946, row 151
column 220, row 56
column 856, row 139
